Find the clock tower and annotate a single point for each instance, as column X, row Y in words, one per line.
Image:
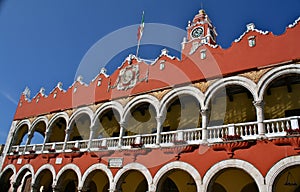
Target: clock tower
column 200, row 31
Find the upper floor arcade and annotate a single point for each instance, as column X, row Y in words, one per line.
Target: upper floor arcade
column 259, row 104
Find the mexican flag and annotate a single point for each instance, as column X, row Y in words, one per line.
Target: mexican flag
column 141, row 28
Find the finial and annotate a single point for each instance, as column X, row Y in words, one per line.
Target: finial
column 42, row 91
column 103, row 71
column 202, row 12
column 26, row 92
column 164, row 51
column 79, row 79
column 59, row 85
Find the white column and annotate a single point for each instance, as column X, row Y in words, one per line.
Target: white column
column 204, row 114
column 92, row 133
column 259, row 106
column 122, row 131
column 47, row 135
column 68, row 133
column 159, row 122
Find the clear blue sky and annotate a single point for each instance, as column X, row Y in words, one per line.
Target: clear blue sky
column 43, row 42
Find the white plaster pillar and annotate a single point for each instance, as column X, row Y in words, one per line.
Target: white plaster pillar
column 123, row 126
column 92, row 134
column 47, row 135
column 159, row 122
column 68, row 133
column 204, row 114
column 259, row 106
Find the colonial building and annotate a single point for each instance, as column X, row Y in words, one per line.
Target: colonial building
column 219, row 120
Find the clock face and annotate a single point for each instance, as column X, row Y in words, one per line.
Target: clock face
column 197, row 32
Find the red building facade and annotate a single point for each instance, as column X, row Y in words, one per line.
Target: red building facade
column 215, row 120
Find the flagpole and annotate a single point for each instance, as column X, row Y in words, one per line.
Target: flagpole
column 139, row 35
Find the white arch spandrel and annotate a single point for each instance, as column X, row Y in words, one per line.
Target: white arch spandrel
column 43, row 168
column 11, row 167
column 109, row 105
column 98, row 166
column 234, row 163
column 136, row 167
column 63, row 115
column 140, row 99
column 186, row 90
column 271, row 75
column 235, row 80
column 192, row 171
column 280, row 166
column 72, row 167
column 22, row 171
column 81, row 111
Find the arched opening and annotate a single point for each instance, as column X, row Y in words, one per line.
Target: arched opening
column 97, row 181
column 57, row 131
column 68, row 181
column 23, row 182
column 226, row 181
column 38, row 133
column 43, row 181
column 132, row 181
column 183, row 112
column 281, row 97
column 80, row 128
column 21, row 135
column 141, row 119
column 107, row 124
column 177, row 180
column 288, row 180
column 232, row 104
column 6, row 180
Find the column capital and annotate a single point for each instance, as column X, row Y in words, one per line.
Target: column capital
column 259, row 103
column 159, row 118
column 123, row 124
column 204, row 111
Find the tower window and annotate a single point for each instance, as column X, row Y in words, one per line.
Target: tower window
column 203, row 54
column 99, row 82
column 251, row 41
column 162, row 65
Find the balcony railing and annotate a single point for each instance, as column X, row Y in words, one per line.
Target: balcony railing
column 244, row 131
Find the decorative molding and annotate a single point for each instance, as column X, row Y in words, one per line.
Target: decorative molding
column 292, row 141
column 255, row 75
column 179, row 149
column 230, row 147
column 128, row 78
column 160, row 94
column 100, row 154
column 203, row 86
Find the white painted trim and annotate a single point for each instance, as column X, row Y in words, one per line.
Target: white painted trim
column 178, row 165
column 36, row 121
column 234, row 163
column 43, row 168
column 271, row 75
column 81, row 111
column 98, row 166
column 222, row 83
column 70, row 166
column 133, row 166
column 23, row 171
column 12, row 167
column 186, row 90
column 140, row 99
column 57, row 116
column 278, row 168
column 109, row 105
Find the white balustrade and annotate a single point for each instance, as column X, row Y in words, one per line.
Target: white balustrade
column 247, row 131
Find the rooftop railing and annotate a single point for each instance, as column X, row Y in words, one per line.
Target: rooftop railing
column 214, row 134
